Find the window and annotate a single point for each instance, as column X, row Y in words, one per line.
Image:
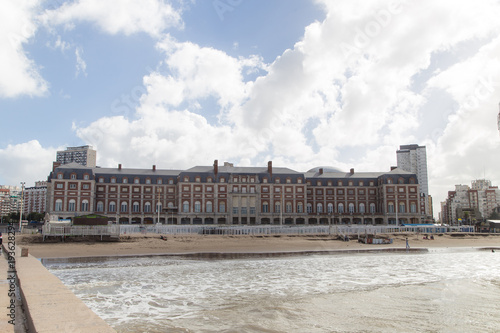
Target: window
column 235, row 189
column 170, row 181
column 124, row 207
column 185, row 207
column 235, row 179
column 59, row 176
column 136, row 180
column 252, row 210
column 401, row 189
column 277, row 189
column 158, row 207
column 159, row 181
column 148, row 181
column 252, row 189
column 361, row 207
column 372, row 208
column 147, row 207
column 390, row 207
column 299, row 181
column 222, row 179
column 309, row 208
column 351, row 208
column 112, row 207
column 197, row 207
column 135, row 207
column 401, row 181
column 300, row 207
column 101, row 180
column 222, row 207
column 58, row 206
column 71, row 205
column 389, row 181
column 235, row 210
column 72, row 186
column 265, row 207
column 361, row 183
column 125, row 180
column 209, row 207
column 85, row 205
column 288, row 207
column 319, row 208
column 340, row 192
column 390, row 190
column 319, row 192
column 244, row 189
column 277, row 207
column 265, row 189
column 402, row 208
column 59, row 185
column 299, row 189
column 222, row 188
column 413, row 207
column 85, row 186
column 330, row 208
column 100, row 206
column 86, row 177
column 209, row 188
column 243, row 211
column 197, row 179
column 73, row 176
column 113, row 180
column 341, row 207
column 339, row 183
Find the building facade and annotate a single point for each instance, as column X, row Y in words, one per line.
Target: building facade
column 84, row 155
column 234, row 195
column 413, row 158
column 35, row 198
column 467, row 204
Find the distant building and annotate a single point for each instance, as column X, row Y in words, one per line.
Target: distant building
column 229, row 195
column 83, row 155
column 10, row 199
column 35, row 198
column 413, row 158
column 469, row 204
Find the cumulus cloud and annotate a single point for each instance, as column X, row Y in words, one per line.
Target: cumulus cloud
column 127, row 17
column 20, row 75
column 25, row 162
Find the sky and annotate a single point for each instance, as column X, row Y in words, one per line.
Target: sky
column 180, row 83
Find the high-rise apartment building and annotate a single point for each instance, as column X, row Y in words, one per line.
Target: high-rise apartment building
column 35, row 198
column 413, row 158
column 83, row 155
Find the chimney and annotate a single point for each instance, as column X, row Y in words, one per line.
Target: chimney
column 270, row 168
column 352, row 171
column 55, row 165
column 216, row 167
column 119, row 167
column 320, row 171
column 154, row 167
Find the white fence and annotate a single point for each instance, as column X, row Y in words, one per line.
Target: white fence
column 286, row 230
column 81, row 230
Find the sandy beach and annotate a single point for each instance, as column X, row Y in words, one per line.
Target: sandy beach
column 144, row 244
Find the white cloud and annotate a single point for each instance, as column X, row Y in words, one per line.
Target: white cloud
column 25, row 162
column 81, row 65
column 127, row 16
column 19, row 74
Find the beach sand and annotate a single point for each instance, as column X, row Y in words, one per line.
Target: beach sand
column 144, row 244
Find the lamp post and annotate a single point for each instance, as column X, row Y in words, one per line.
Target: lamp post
column 21, row 211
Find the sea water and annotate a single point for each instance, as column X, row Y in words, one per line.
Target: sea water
column 444, row 290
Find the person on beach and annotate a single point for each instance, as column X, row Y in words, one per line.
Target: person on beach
column 407, row 245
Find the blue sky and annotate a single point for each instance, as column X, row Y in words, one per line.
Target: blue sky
column 179, row 83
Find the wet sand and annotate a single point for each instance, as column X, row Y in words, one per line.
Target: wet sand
column 144, row 244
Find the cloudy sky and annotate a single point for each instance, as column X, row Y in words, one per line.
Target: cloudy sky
column 179, row 83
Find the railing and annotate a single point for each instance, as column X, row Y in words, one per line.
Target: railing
column 286, row 230
column 79, row 230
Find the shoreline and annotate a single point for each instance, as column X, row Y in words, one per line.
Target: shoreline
column 213, row 246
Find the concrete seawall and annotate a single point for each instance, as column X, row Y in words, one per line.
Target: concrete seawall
column 49, row 306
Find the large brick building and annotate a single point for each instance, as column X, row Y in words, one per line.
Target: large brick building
column 227, row 194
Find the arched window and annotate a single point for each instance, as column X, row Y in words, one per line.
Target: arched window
column 330, row 208
column 361, row 207
column 402, row 207
column 351, row 208
column 389, row 180
column 135, row 207
column 58, row 206
column 185, row 206
column 265, row 207
column 158, row 207
column 390, row 207
column 288, row 207
column 197, row 207
column 71, row 205
column 222, row 207
column 124, row 207
column 112, row 207
column 85, row 205
column 277, row 207
column 300, row 207
column 100, row 206
column 341, row 207
column 319, row 208
column 309, row 208
column 147, row 207
column 413, row 207
column 373, row 209
column 209, row 207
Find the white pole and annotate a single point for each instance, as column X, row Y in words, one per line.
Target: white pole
column 21, row 211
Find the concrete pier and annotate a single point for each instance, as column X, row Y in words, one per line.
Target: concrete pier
column 49, row 306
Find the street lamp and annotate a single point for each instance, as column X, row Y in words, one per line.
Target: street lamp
column 21, row 211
